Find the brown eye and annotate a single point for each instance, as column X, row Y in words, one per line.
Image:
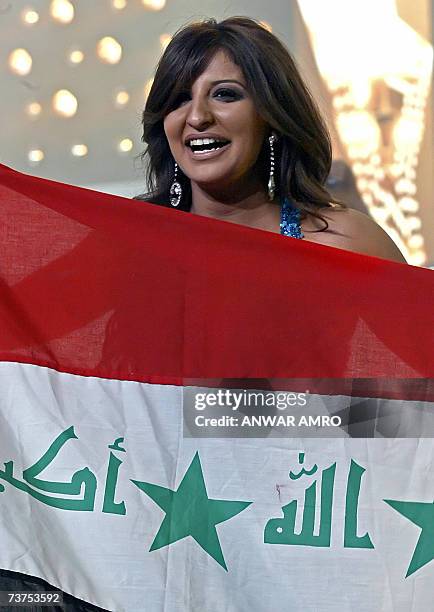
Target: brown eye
column 229, row 94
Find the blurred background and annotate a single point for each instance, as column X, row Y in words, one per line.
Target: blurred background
column 74, row 76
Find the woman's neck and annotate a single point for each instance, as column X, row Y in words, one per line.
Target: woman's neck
column 252, row 209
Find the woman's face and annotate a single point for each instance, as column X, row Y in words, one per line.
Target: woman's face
column 219, row 107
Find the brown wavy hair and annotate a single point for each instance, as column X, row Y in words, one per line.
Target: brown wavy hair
column 303, row 150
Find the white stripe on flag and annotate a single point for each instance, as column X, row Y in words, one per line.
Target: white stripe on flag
column 104, row 557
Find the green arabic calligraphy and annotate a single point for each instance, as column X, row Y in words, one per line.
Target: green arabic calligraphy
column 81, row 480
column 109, row 504
column 282, row 531
column 351, row 539
column 303, row 471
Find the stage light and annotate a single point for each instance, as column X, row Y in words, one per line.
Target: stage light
column 79, row 150
column 29, row 16
column 154, row 5
column 76, row 56
column 33, row 109
column 35, row 156
column 405, row 185
column 109, row 50
column 122, row 98
column 62, row 11
column 416, row 241
column 125, row 145
column 20, row 62
column 418, row 257
column 164, row 41
column 362, row 184
column 414, row 223
column 119, row 4
column 379, row 93
column 65, row 103
column 408, row 204
column 407, row 132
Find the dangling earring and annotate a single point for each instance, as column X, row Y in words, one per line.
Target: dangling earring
column 175, row 189
column 271, row 181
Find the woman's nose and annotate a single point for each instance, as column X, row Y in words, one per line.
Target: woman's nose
column 199, row 113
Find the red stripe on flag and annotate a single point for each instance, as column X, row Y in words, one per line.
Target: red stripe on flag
column 104, row 286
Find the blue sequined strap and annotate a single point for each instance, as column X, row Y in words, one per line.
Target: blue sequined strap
column 290, row 223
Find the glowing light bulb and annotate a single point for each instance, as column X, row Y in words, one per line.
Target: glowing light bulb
column 362, row 184
column 125, row 145
column 418, row 258
column 29, row 16
column 358, row 169
column 20, row 62
column 406, row 133
column 33, row 109
column 62, row 11
column 404, row 185
column 339, row 102
column 119, row 4
column 360, row 92
column 165, row 40
column 76, row 56
column 414, row 223
column 408, row 204
column 109, row 50
column 65, row 103
column 122, row 98
column 154, row 5
column 416, row 241
column 79, row 150
column 35, row 156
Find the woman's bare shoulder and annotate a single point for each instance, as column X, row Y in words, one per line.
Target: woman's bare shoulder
column 351, row 230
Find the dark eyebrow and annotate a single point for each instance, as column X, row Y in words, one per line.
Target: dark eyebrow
column 228, row 81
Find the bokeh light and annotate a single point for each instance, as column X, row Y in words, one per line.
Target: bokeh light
column 125, row 145
column 109, row 50
column 33, row 109
column 20, row 62
column 119, row 4
column 79, row 150
column 154, row 5
column 122, row 98
column 76, row 56
column 62, row 11
column 65, row 103
column 35, row 156
column 29, row 16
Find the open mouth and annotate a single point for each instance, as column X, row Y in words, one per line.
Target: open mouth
column 206, row 145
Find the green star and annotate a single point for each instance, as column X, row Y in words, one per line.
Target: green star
column 190, row 512
column 422, row 514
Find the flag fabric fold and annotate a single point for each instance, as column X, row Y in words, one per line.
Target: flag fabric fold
column 110, row 310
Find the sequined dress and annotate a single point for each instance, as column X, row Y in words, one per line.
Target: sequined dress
column 290, row 224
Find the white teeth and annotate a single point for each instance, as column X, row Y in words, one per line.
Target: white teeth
column 202, row 141
column 204, row 151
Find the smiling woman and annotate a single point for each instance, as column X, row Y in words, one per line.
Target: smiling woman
column 233, row 133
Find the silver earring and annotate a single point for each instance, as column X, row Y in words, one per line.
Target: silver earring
column 271, row 181
column 175, row 189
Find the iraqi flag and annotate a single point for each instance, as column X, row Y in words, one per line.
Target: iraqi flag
column 198, row 416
